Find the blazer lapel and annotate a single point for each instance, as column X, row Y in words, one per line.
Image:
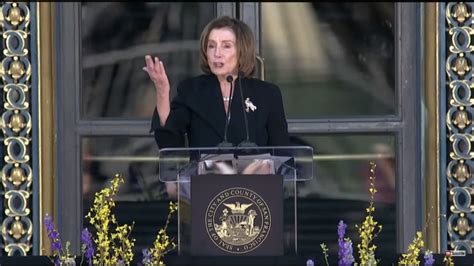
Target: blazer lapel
column 250, row 92
column 237, row 122
column 209, row 106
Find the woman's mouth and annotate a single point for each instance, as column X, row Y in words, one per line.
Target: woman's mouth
column 218, row 64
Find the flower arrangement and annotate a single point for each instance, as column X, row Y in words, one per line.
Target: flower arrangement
column 162, row 244
column 369, row 230
column 111, row 240
column 59, row 255
column 112, row 247
column 115, row 248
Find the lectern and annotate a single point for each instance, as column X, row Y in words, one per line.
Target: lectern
column 237, row 201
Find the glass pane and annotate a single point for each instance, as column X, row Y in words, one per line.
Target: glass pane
column 142, row 199
column 134, row 157
column 339, row 190
column 331, row 59
column 114, row 84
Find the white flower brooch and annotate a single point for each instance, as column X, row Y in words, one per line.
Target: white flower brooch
column 249, row 105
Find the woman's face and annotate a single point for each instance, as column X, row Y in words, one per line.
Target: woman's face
column 221, row 52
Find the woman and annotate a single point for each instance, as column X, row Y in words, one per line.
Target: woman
column 200, row 108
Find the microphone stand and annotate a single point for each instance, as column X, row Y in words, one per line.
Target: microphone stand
column 246, row 142
column 225, row 143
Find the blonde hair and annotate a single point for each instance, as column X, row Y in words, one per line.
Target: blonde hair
column 245, row 42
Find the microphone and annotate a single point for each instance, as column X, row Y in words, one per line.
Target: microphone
column 246, row 142
column 225, row 143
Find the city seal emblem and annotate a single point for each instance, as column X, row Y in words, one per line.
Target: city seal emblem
column 238, row 220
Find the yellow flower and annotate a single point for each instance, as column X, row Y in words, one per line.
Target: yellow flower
column 448, row 258
column 111, row 247
column 162, row 243
column 411, row 257
column 366, row 231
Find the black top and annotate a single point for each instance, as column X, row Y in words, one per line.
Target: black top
column 198, row 110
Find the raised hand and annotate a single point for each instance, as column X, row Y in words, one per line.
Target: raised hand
column 156, row 72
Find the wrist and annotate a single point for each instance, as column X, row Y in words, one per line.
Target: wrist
column 162, row 94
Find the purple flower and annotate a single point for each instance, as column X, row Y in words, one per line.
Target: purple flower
column 86, row 239
column 52, row 233
column 345, row 246
column 146, row 256
column 341, row 229
column 48, row 223
column 56, row 245
column 429, row 260
column 347, row 258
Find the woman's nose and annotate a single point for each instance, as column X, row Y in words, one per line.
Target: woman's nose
column 217, row 52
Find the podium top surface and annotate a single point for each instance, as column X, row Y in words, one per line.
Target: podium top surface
column 294, row 163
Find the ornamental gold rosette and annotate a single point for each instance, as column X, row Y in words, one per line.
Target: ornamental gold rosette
column 459, row 115
column 15, row 69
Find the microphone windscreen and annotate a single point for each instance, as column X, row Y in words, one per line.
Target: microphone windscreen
column 229, row 78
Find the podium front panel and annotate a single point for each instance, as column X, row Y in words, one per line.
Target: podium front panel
column 236, row 215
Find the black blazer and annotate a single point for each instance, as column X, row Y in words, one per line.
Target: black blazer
column 198, row 111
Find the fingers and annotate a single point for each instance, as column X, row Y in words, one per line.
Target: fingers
column 154, row 66
column 162, row 69
column 149, row 64
column 156, row 70
column 157, row 65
